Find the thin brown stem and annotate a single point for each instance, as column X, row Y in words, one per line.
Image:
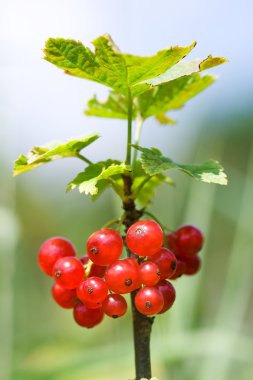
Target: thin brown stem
column 142, row 324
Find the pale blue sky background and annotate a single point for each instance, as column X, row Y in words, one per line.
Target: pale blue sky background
column 38, row 103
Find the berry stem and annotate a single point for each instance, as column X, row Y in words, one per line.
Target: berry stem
column 142, row 324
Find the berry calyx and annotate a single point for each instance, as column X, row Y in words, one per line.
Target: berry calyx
column 166, row 262
column 86, row 317
column 66, row 298
column 149, row 300
column 94, row 290
column 52, row 250
column 68, row 272
column 144, row 238
column 149, row 273
column 104, row 246
column 114, row 305
column 123, row 276
column 169, row 294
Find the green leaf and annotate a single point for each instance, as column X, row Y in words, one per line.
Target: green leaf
column 96, row 175
column 153, row 162
column 53, row 151
column 186, row 68
column 105, row 66
column 172, row 95
column 147, row 192
column 114, row 107
column 123, row 73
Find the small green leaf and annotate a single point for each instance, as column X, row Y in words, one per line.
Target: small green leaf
column 114, row 107
column 89, row 180
column 172, row 95
column 53, row 151
column 153, row 162
column 147, row 192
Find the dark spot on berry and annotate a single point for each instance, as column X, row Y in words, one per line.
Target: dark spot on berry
column 94, row 250
column 139, row 231
column 173, row 265
column 114, row 316
column 57, row 274
column 158, row 272
column 128, row 282
column 148, row 304
column 90, row 289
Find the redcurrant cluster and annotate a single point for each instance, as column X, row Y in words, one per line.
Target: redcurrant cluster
column 93, row 285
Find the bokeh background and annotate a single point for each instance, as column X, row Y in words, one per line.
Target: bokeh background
column 209, row 333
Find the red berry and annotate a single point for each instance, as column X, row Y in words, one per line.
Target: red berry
column 169, row 294
column 104, row 246
column 95, row 270
column 188, row 240
column 192, row 265
column 68, row 272
column 149, row 300
column 52, row 250
column 149, row 273
column 171, row 241
column 166, row 262
column 180, row 269
column 114, row 305
column 66, row 298
column 144, row 238
column 87, row 317
column 123, row 276
column 94, row 289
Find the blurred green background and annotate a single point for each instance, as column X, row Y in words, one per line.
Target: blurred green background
column 208, row 333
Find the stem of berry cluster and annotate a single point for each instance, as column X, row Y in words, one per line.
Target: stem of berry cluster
column 142, row 324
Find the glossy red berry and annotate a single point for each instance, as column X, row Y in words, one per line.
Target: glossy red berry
column 166, row 262
column 192, row 265
column 149, row 300
column 68, row 272
column 114, row 305
column 104, row 246
column 149, row 273
column 92, row 305
column 86, row 317
column 144, row 238
column 188, row 240
column 169, row 294
column 52, row 250
column 93, row 289
column 66, row 298
column 123, row 276
column 95, row 270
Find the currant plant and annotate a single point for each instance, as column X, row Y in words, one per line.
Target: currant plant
column 94, row 285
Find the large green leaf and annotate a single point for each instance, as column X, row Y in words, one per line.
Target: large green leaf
column 125, row 73
column 96, row 175
column 53, row 151
column 153, row 162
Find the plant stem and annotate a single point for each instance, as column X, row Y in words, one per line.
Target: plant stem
column 84, row 159
column 139, row 124
column 142, row 324
column 129, row 128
